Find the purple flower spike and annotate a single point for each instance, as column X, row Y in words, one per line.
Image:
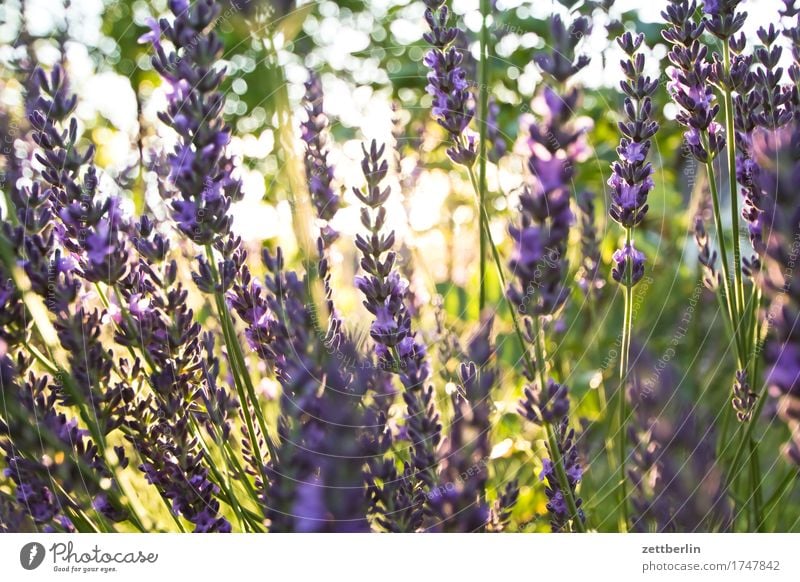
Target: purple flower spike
column 201, row 173
column 453, row 105
column 319, row 172
column 631, row 179
column 625, row 258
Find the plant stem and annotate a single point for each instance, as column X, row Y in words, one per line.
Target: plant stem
column 563, row 480
column 731, row 144
column 483, row 92
column 733, row 314
column 238, row 363
column 755, row 485
column 624, row 365
column 500, row 274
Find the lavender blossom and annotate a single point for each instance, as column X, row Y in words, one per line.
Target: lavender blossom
column 551, row 405
column 384, row 289
column 201, row 185
column 689, row 85
column 48, row 485
column 160, row 428
column 762, row 103
column 627, row 258
column 458, row 501
column 315, row 482
column 453, row 105
column 557, row 143
column 319, row 173
column 631, row 178
column 396, row 345
column 88, row 226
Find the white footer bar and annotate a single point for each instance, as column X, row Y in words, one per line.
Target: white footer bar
column 402, row 558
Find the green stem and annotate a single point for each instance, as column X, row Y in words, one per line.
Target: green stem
column 151, row 367
column 732, row 312
column 500, row 274
column 731, row 148
column 221, row 481
column 624, row 365
column 483, row 90
column 786, row 483
column 747, row 431
column 563, row 480
column 755, row 485
column 238, row 363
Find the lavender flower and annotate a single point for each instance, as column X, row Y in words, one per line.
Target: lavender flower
column 551, row 406
column 627, row 258
column 89, row 227
column 160, row 428
column 689, row 81
column 319, row 172
column 383, row 287
column 631, row 178
column 315, row 483
column 453, row 105
column 556, row 497
column 458, row 501
column 562, row 62
column 761, row 104
column 201, row 185
column 721, row 18
column 556, row 144
column 48, row 484
column 396, row 345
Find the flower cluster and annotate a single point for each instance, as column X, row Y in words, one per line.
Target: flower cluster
column 319, row 173
column 88, row 226
column 762, row 104
column 201, row 185
column 453, row 105
column 631, row 179
column 557, row 142
column 690, row 81
column 396, row 345
column 314, row 480
column 383, row 287
column 458, row 502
